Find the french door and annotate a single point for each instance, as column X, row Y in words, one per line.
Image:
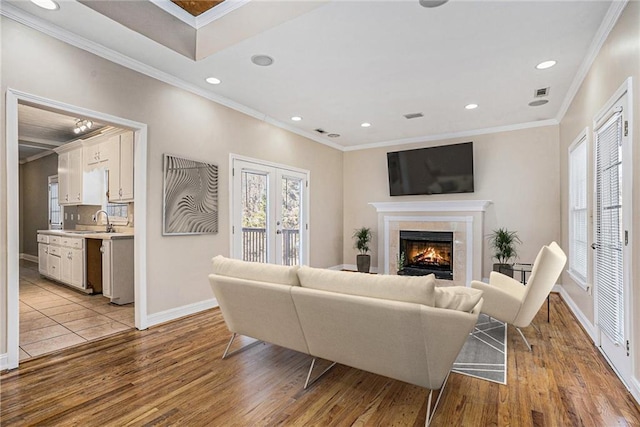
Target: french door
column 269, row 213
column 612, row 222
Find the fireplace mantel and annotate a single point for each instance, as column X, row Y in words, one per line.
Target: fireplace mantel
column 464, row 218
column 435, row 206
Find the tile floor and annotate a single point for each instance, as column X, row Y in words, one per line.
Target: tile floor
column 54, row 316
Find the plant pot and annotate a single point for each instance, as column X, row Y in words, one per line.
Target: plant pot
column 364, row 263
column 505, row 269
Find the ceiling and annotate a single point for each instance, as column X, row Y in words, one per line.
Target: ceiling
column 338, row 64
column 40, row 131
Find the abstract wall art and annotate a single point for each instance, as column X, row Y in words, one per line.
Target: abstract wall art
column 190, row 204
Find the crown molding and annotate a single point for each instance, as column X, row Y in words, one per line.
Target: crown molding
column 609, row 21
column 443, row 136
column 36, row 157
column 176, row 11
column 218, row 12
column 22, row 17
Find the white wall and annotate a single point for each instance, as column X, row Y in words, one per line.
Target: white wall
column 618, row 59
column 180, row 123
column 517, row 170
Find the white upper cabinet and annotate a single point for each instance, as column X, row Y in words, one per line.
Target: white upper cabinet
column 75, row 185
column 121, row 168
column 96, row 152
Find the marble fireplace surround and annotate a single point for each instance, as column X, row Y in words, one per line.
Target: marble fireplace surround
column 465, row 218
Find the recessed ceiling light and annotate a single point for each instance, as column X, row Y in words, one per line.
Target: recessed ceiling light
column 212, row 81
column 46, row 4
column 432, row 3
column 262, row 60
column 538, row 103
column 546, row 64
column 365, row 125
column 471, row 106
column 296, row 118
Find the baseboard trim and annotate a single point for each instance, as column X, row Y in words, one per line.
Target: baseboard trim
column 178, row 312
column 28, row 257
column 635, row 389
column 4, row 361
column 588, row 326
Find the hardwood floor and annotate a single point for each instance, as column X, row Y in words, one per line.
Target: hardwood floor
column 172, row 374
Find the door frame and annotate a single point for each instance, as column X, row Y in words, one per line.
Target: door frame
column 627, row 214
column 307, row 202
column 11, row 185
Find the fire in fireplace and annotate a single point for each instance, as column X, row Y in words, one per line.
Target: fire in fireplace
column 426, row 252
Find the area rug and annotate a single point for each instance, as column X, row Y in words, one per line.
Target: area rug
column 484, row 355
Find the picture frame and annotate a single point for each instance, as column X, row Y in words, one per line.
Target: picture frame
column 190, row 197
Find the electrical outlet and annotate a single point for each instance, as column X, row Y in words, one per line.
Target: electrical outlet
column 78, row 217
column 65, row 216
column 71, row 217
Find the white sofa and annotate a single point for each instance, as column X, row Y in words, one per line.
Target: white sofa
column 400, row 327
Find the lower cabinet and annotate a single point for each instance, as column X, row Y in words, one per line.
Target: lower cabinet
column 117, row 283
column 72, row 267
column 43, row 258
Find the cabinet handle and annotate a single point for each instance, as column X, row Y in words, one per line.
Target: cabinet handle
column 102, row 249
column 78, row 196
column 66, row 197
column 120, row 192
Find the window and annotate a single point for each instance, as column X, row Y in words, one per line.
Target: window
column 55, row 211
column 578, row 242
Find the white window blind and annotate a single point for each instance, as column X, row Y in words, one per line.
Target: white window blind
column 609, row 267
column 578, row 249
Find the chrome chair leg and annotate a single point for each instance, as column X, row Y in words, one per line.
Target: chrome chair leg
column 246, row 347
column 307, row 383
column 431, row 412
column 525, row 340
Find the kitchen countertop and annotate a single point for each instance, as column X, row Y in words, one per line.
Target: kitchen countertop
column 87, row 234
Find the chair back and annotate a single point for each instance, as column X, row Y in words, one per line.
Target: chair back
column 544, row 275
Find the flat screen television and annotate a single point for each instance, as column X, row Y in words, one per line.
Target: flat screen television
column 434, row 170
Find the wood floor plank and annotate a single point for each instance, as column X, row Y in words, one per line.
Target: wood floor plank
column 172, row 374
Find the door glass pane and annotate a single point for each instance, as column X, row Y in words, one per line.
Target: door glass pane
column 55, row 217
column 254, row 216
column 291, row 196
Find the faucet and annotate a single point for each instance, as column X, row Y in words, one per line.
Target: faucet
column 109, row 226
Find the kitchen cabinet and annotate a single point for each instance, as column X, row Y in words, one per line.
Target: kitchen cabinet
column 121, row 168
column 117, row 283
column 75, row 185
column 63, row 259
column 96, row 152
column 43, row 258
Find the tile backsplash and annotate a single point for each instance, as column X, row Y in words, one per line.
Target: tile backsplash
column 81, row 217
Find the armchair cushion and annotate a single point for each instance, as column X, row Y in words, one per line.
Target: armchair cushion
column 502, row 296
column 457, row 297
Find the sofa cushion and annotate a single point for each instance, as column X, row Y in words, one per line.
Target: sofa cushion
column 457, row 297
column 416, row 289
column 270, row 273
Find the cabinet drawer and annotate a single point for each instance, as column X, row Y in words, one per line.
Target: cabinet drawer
column 55, row 250
column 54, row 240
column 72, row 242
column 43, row 238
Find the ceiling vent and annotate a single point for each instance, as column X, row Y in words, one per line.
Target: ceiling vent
column 413, row 115
column 539, row 93
column 320, row 131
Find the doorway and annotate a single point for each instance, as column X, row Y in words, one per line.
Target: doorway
column 612, row 230
column 269, row 212
column 13, row 99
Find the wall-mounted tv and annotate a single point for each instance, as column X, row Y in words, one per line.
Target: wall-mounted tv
column 433, row 170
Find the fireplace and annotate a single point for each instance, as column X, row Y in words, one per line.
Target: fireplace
column 426, row 252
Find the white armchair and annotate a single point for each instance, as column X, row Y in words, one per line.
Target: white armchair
column 509, row 301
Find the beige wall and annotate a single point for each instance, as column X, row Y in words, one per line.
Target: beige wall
column 34, row 200
column 517, row 170
column 180, row 123
column 618, row 59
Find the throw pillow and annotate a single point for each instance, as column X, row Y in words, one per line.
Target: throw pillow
column 457, row 297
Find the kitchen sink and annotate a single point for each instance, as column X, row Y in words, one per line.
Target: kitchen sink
column 82, row 231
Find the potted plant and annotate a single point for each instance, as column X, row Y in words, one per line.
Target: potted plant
column 362, row 237
column 503, row 244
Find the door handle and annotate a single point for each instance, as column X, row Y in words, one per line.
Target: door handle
column 278, row 231
column 594, row 246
